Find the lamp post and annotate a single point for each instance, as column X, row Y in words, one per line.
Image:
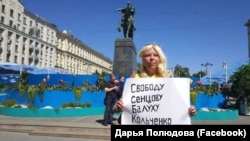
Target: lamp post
column 48, row 75
column 35, row 36
column 224, row 64
column 207, row 64
column 21, row 69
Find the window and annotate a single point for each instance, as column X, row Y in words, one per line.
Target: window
column 16, row 48
column 18, row 26
column 23, row 51
column 8, row 57
column 15, row 59
column 19, row 17
column 24, row 21
column 31, row 23
column 11, row 13
column 41, row 29
column 3, row 8
column 2, row 19
column 11, row 23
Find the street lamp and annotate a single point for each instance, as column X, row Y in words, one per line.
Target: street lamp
column 224, row 64
column 48, row 75
column 21, row 69
column 207, row 65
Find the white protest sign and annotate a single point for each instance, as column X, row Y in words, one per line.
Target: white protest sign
column 156, row 101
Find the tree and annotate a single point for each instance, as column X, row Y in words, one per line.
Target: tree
column 199, row 74
column 241, row 81
column 180, row 71
column 100, row 82
column 139, row 67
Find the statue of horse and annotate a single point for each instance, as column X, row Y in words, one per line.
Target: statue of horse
column 128, row 27
column 127, row 21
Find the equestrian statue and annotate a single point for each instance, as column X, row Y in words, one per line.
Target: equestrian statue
column 127, row 21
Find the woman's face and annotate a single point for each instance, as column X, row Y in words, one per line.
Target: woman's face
column 151, row 61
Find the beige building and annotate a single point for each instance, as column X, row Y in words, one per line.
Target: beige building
column 78, row 58
column 26, row 38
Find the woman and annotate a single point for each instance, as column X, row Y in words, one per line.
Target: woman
column 154, row 64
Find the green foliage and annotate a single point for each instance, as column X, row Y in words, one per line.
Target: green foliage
column 40, row 93
column 9, row 103
column 100, row 82
column 22, row 90
column 199, row 74
column 31, row 93
column 88, row 105
column 193, row 96
column 4, row 87
column 41, row 89
column 210, row 89
column 199, row 88
column 241, row 81
column 74, row 105
column 139, row 67
column 23, row 87
column 86, row 85
column 57, row 110
column 180, row 71
column 31, row 106
column 78, row 93
column 22, row 83
column 23, row 78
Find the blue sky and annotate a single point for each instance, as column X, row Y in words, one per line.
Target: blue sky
column 191, row 32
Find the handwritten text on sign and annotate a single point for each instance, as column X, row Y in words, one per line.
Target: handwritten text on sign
column 156, row 101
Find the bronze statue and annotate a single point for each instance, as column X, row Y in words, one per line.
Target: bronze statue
column 127, row 20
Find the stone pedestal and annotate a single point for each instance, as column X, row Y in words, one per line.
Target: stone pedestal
column 124, row 57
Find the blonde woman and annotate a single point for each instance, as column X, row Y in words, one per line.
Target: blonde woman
column 154, row 64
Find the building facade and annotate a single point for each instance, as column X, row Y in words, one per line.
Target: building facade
column 26, row 38
column 78, row 58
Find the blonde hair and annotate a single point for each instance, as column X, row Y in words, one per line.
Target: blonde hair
column 162, row 68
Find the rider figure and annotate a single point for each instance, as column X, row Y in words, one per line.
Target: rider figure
column 127, row 12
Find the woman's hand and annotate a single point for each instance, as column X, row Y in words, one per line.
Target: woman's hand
column 192, row 110
column 119, row 106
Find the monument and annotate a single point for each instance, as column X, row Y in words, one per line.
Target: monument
column 125, row 52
